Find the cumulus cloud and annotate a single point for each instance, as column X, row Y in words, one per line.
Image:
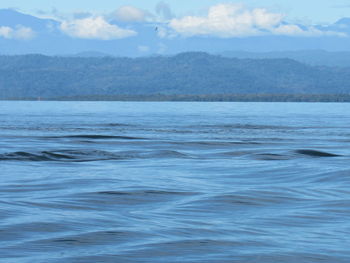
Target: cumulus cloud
column 235, row 20
column 20, row 32
column 227, row 20
column 295, row 30
column 131, row 14
column 95, row 28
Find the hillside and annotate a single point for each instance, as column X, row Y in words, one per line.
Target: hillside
column 311, row 57
column 186, row 73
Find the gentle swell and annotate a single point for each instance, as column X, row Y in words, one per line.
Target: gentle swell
column 64, row 156
column 315, row 153
column 98, row 137
column 88, row 155
column 99, row 155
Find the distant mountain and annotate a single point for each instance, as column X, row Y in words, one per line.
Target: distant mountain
column 343, row 21
column 311, row 57
column 341, row 26
column 12, row 18
column 187, row 73
column 48, row 39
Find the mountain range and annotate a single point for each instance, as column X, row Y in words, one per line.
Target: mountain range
column 310, row 57
column 192, row 73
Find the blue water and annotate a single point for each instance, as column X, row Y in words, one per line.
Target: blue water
column 174, row 182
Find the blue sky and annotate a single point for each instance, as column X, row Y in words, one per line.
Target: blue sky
column 310, row 11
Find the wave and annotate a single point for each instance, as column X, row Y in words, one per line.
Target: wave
column 79, row 155
column 216, row 143
column 65, row 156
column 315, row 153
column 97, row 137
column 147, row 192
column 271, row 157
column 88, row 155
column 246, row 126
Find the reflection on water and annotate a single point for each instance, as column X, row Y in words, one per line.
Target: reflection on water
column 174, row 182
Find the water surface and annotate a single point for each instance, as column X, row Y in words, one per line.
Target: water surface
column 174, row 182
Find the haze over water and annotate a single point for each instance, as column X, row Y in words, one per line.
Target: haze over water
column 174, row 182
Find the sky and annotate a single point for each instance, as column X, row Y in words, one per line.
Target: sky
column 119, row 19
column 307, row 11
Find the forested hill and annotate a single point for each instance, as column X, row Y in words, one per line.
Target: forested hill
column 187, row 73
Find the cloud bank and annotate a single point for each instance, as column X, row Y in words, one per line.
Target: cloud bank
column 95, row 28
column 226, row 20
column 235, row 20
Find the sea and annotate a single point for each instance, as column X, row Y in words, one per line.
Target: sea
column 171, row 182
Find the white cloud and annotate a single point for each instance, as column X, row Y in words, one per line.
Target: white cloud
column 295, row 30
column 95, row 28
column 6, row 32
column 227, row 20
column 235, row 20
column 131, row 14
column 19, row 32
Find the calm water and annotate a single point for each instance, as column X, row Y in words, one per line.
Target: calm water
column 174, row 182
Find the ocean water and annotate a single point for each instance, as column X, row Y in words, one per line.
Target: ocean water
column 174, row 182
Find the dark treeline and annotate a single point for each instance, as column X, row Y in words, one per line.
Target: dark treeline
column 198, row 75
